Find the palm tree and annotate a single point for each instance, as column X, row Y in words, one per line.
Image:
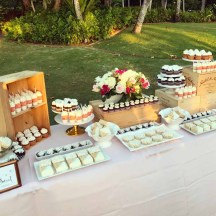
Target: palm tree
column 178, row 8
column 78, row 10
column 203, row 5
column 138, row 27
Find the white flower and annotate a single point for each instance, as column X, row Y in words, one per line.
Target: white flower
column 111, row 82
column 95, row 88
column 132, row 80
column 98, row 79
column 120, row 88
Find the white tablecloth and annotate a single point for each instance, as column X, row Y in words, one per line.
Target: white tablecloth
column 173, row 179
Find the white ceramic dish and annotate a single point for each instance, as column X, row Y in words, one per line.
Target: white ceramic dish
column 89, row 144
column 196, row 134
column 176, row 136
column 36, row 166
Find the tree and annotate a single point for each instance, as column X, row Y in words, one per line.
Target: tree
column 57, row 5
column 178, row 8
column 150, row 5
column 183, row 5
column 203, row 5
column 138, row 27
column 77, row 10
column 164, row 3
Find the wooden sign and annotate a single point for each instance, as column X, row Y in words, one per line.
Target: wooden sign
column 9, row 176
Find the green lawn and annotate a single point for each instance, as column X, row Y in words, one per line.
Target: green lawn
column 70, row 71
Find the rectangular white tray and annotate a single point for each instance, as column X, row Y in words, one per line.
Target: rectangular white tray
column 64, row 151
column 36, row 166
column 196, row 134
column 176, row 136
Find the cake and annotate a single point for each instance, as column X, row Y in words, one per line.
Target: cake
column 197, row 55
column 127, row 138
column 197, row 129
column 96, row 154
column 45, row 168
column 139, row 136
column 59, row 164
column 85, row 158
column 25, row 143
column 73, row 161
column 32, row 140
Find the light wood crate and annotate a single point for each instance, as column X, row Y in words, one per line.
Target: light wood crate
column 132, row 116
column 38, row 115
column 208, row 102
column 192, row 105
column 205, row 83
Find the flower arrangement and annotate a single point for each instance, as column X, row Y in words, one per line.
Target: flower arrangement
column 125, row 82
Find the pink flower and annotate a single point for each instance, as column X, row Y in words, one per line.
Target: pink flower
column 132, row 80
column 142, row 80
column 120, row 71
column 133, row 90
column 105, row 89
column 146, row 85
column 119, row 89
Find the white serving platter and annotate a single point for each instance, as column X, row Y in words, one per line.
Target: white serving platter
column 36, row 166
column 64, row 151
column 171, row 86
column 120, row 136
column 170, row 75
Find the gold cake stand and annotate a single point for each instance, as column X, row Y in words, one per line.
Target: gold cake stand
column 76, row 129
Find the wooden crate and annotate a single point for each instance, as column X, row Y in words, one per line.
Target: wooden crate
column 205, row 83
column 132, row 116
column 38, row 115
column 192, row 104
column 208, row 102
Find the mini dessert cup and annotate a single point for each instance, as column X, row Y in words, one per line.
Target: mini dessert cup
column 38, row 136
column 44, row 132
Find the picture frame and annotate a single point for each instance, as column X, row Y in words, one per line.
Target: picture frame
column 9, row 176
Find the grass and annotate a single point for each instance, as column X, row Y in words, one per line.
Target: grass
column 70, row 71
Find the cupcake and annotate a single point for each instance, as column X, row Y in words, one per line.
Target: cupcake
column 38, row 136
column 53, row 106
column 25, row 143
column 34, row 99
column 64, row 117
column 32, row 140
column 185, row 54
column 39, row 97
column 44, row 132
column 12, row 108
column 191, row 55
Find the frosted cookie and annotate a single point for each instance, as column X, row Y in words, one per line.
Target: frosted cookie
column 167, row 135
column 150, row 133
column 127, row 138
column 197, row 129
column 139, row 136
column 134, row 144
column 146, row 141
column 157, row 138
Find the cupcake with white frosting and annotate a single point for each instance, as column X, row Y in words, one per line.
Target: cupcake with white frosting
column 44, row 132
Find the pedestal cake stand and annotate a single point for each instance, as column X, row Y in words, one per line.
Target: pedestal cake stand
column 75, row 130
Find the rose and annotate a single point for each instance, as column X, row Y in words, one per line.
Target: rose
column 142, row 80
column 132, row 80
column 145, row 85
column 128, row 90
column 120, row 88
column 105, row 89
column 118, row 71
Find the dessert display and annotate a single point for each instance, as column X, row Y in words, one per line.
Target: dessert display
column 60, row 164
column 102, row 132
column 128, row 104
column 185, row 92
column 44, row 154
column 29, row 137
column 171, row 76
column 143, row 138
column 204, row 67
column 199, row 115
column 137, row 127
column 197, row 55
column 79, row 115
column 67, row 105
column 201, row 125
column 24, row 100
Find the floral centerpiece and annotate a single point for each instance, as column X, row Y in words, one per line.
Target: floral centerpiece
column 128, row 83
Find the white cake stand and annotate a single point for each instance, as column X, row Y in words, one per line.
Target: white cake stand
column 198, row 61
column 75, row 130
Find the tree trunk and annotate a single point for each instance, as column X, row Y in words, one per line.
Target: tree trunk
column 203, row 5
column 108, row 2
column 138, row 27
column 26, row 4
column 183, row 5
column 123, row 3
column 77, row 10
column 140, row 3
column 32, row 5
column 150, row 5
column 178, row 8
column 164, row 3
column 128, row 3
column 57, row 5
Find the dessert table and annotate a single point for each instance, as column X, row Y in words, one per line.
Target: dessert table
column 172, row 179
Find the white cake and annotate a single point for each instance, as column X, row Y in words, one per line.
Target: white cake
column 59, row 164
column 150, row 133
column 45, row 168
column 139, row 136
column 73, row 161
column 86, row 159
column 212, row 125
column 157, row 138
column 197, row 129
